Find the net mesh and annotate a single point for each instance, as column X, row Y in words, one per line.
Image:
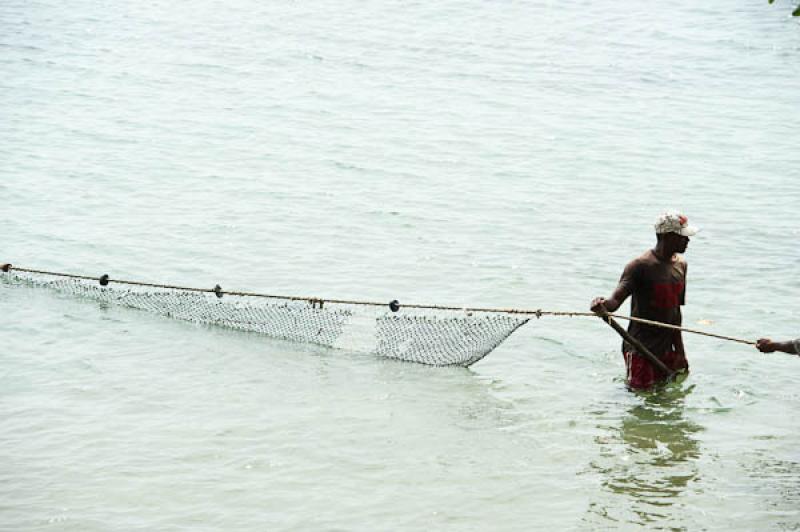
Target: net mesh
column 434, row 337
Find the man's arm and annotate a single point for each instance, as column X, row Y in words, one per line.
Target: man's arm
column 677, row 341
column 611, row 304
column 765, row 345
column 627, row 283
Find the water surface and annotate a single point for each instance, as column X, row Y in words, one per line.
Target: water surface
column 459, row 153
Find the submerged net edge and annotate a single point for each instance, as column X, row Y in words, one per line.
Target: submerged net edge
column 444, row 341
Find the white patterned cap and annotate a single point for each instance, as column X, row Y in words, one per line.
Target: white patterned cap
column 674, row 222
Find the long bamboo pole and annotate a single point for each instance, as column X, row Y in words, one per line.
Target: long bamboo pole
column 639, row 346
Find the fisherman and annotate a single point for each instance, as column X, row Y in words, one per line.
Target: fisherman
column 656, row 282
column 765, row 345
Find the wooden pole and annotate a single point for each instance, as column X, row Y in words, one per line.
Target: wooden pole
column 639, row 346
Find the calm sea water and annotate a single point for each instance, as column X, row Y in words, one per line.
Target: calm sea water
column 507, row 154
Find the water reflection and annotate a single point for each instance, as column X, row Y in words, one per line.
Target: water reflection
column 649, row 460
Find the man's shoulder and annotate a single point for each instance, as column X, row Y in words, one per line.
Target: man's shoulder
column 645, row 259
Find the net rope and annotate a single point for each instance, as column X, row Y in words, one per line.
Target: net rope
column 427, row 334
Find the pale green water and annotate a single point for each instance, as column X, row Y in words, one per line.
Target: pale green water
column 493, row 154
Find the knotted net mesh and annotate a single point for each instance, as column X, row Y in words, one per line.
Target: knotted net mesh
column 438, row 337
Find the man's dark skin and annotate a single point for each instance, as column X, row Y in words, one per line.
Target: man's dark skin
column 667, row 246
column 765, row 345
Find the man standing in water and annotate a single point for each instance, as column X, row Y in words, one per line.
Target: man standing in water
column 656, row 282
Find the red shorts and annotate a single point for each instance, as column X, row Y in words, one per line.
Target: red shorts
column 642, row 374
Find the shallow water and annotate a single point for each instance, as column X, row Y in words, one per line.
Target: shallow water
column 455, row 153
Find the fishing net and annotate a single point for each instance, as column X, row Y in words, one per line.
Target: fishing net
column 439, row 337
